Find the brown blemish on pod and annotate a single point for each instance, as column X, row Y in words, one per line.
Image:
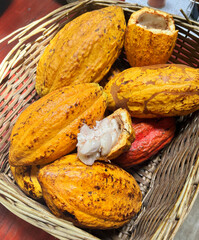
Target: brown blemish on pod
column 100, row 207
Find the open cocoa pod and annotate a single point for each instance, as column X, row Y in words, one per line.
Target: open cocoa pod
column 107, row 140
column 150, row 37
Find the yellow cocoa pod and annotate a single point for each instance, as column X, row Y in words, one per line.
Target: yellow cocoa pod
column 150, row 37
column 83, row 51
column 47, row 129
column 26, row 179
column 100, row 196
column 155, row 91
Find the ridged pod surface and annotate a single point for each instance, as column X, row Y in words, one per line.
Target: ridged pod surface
column 151, row 135
column 100, row 196
column 155, row 91
column 26, row 179
column 47, row 129
column 150, row 37
column 83, row 51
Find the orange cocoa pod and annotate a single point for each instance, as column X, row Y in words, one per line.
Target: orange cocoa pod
column 151, row 135
column 101, row 196
column 48, row 128
column 162, row 90
column 82, row 51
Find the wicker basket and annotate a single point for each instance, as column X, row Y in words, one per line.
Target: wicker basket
column 169, row 181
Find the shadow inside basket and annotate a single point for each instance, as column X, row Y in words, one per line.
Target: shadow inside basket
column 163, row 179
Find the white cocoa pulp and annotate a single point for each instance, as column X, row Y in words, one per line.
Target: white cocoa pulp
column 154, row 21
column 93, row 143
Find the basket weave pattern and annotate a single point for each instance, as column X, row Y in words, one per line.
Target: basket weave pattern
column 169, row 181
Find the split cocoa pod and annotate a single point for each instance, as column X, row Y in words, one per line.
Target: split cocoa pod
column 101, row 196
column 83, row 51
column 151, row 135
column 150, row 37
column 155, row 91
column 109, row 138
column 47, row 129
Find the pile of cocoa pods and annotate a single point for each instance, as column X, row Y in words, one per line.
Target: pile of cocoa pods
column 72, row 146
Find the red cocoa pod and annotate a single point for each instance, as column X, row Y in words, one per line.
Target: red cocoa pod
column 151, row 135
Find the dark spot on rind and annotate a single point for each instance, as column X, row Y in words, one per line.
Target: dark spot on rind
column 36, row 140
column 29, row 147
column 15, row 134
column 72, row 136
column 131, row 195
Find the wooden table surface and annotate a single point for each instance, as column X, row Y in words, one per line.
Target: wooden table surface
column 13, row 15
column 14, row 228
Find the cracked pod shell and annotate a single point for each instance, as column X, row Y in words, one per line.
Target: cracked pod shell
column 150, row 37
column 106, row 142
column 126, row 137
